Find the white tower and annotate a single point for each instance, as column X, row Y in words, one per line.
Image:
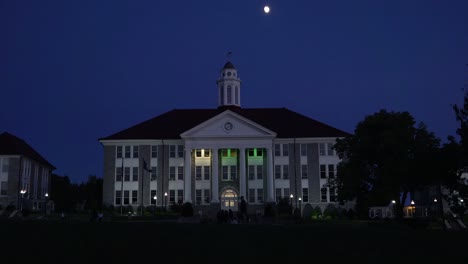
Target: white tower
column 228, row 86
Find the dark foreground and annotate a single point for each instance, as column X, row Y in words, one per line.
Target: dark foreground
column 152, row 242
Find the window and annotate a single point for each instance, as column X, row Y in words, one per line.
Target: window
column 127, row 174
column 126, row 197
column 277, row 171
column 134, row 197
column 127, row 151
column 260, row 195
column 135, row 151
column 222, row 94
column 206, row 193
column 277, row 150
column 180, row 196
column 5, row 165
column 285, row 150
column 233, row 152
column 180, row 173
column 236, row 93
column 305, row 195
column 154, row 173
column 323, row 171
column 251, row 195
column 3, row 188
column 224, row 152
column 322, row 149
column 303, row 150
column 286, row 192
column 278, row 194
column 229, row 94
column 225, row 173
column 304, row 174
column 323, row 195
column 206, row 173
column 180, row 151
column 331, row 171
column 198, row 153
column 118, row 197
column 259, row 172
column 135, row 174
column 198, row 173
column 198, row 196
column 172, row 196
column 251, row 152
column 233, row 173
column 332, row 195
column 152, row 195
column 259, row 152
column 206, row 153
column 172, row 151
column 119, row 152
column 285, row 172
column 118, row 174
column 172, row 173
column 251, row 172
column 330, row 149
column 154, row 151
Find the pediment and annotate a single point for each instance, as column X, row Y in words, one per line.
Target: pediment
column 228, row 124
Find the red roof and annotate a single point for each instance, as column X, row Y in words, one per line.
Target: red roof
column 284, row 122
column 12, row 145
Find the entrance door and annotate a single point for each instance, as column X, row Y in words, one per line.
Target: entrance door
column 229, row 200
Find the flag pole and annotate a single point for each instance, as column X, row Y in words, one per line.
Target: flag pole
column 121, row 183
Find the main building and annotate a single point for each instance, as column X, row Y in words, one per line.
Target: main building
column 213, row 157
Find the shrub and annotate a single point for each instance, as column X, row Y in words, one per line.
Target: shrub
column 187, row 209
column 317, row 213
column 284, row 206
column 330, row 212
column 269, row 211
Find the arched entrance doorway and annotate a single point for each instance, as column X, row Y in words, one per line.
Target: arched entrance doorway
column 229, row 200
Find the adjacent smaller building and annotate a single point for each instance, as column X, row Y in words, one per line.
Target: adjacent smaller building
column 24, row 174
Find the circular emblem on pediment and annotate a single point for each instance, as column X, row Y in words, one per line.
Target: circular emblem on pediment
column 228, row 126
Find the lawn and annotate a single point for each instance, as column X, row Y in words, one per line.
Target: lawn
column 55, row 241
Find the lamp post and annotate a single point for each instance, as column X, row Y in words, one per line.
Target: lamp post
column 291, row 200
column 413, row 208
column 155, row 198
column 165, row 201
column 300, row 205
column 394, row 208
column 23, row 191
column 46, row 195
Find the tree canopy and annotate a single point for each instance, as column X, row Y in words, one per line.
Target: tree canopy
column 387, row 155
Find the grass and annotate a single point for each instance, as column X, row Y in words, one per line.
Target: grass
column 55, row 241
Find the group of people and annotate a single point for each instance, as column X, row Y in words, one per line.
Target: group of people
column 228, row 216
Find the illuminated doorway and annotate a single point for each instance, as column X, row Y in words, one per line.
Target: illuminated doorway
column 229, row 200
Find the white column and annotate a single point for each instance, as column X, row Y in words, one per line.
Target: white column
column 215, row 177
column 270, row 191
column 188, row 176
column 242, row 173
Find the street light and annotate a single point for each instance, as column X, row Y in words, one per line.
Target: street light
column 394, row 208
column 155, row 198
column 300, row 206
column 290, row 200
column 413, row 208
column 165, row 201
column 23, row 191
column 46, row 195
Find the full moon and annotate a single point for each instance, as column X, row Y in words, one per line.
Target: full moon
column 266, row 9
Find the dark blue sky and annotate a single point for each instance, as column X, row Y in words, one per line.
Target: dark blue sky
column 74, row 71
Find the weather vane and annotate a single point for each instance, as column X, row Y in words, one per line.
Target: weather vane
column 229, row 55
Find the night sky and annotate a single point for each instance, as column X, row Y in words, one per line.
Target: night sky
column 74, row 71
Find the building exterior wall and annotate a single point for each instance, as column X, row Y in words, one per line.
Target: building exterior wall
column 294, row 160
